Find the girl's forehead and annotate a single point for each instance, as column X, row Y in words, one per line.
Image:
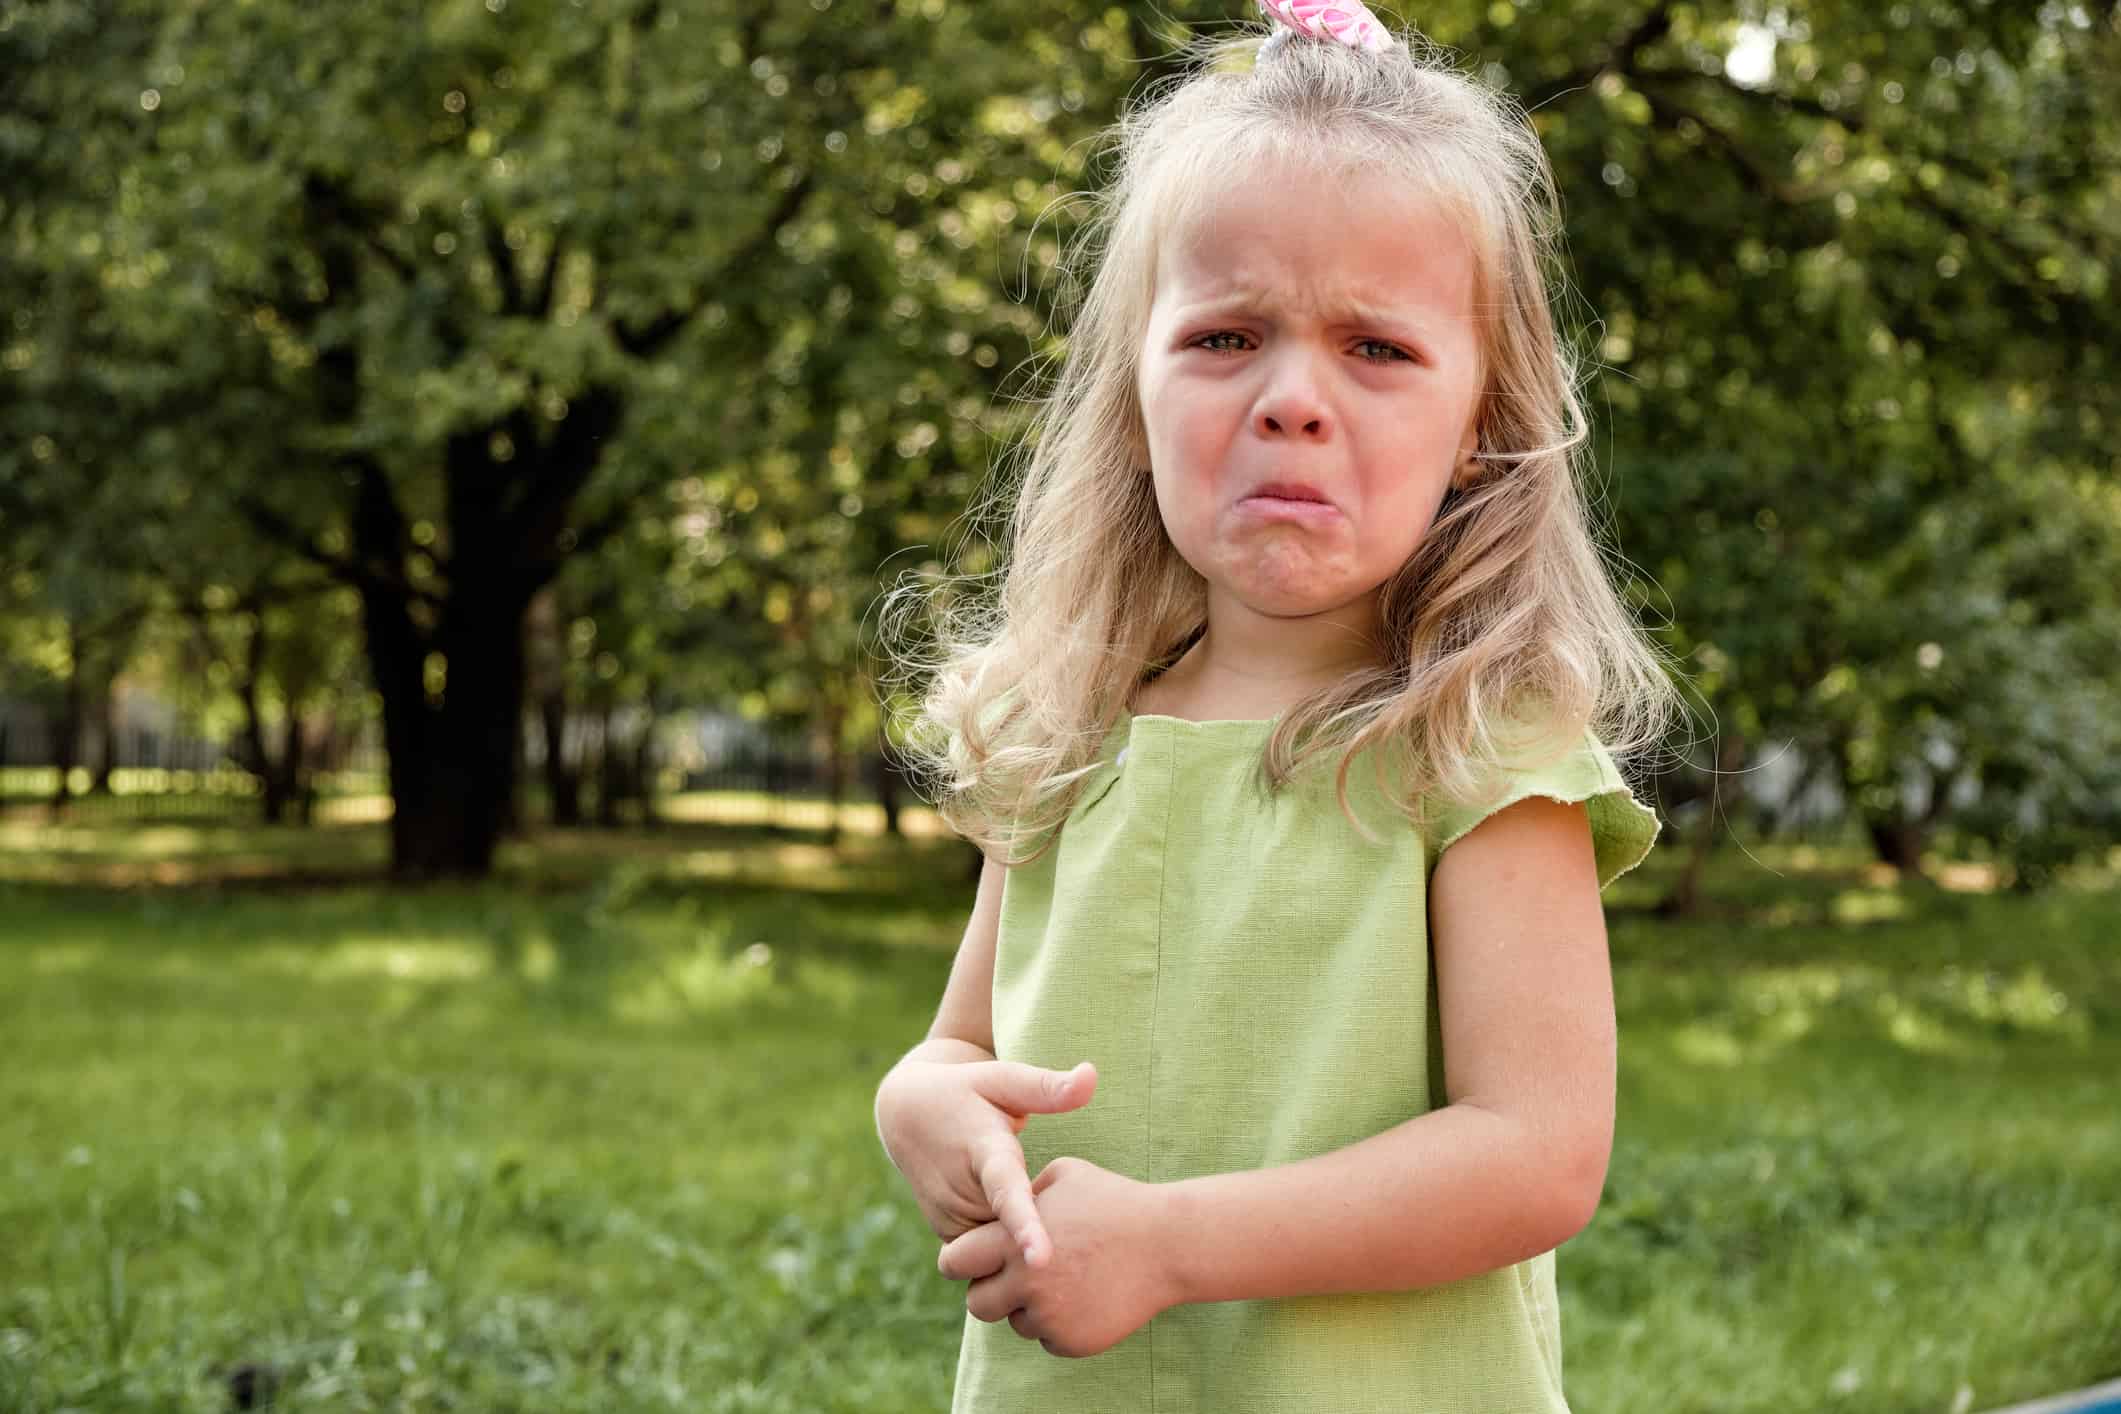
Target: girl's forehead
column 1330, row 242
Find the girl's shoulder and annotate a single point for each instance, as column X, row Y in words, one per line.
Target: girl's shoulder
column 1578, row 770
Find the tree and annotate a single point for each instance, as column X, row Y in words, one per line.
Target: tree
column 469, row 264
column 729, row 308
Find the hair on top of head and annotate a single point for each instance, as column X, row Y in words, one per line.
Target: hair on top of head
column 1501, row 630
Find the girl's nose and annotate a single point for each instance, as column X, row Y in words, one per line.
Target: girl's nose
column 1290, row 407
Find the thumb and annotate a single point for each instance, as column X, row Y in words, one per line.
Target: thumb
column 1030, row 1089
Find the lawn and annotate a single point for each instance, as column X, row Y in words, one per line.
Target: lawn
column 597, row 1135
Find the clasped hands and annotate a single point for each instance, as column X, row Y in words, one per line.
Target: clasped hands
column 1078, row 1258
column 1100, row 1240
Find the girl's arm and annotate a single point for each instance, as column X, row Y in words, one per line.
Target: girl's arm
column 1514, row 1164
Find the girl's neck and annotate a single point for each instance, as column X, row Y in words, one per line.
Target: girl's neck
column 1256, row 668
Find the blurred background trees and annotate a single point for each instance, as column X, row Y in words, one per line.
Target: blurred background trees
column 504, row 378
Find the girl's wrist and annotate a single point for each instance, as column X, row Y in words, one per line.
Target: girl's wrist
column 1170, row 1241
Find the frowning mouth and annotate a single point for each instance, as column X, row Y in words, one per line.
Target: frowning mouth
column 1288, row 503
column 1287, row 491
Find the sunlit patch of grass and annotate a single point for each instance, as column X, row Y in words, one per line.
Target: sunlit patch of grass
column 758, row 808
column 412, row 959
column 61, row 958
column 1700, row 1044
column 1975, row 877
column 1867, row 905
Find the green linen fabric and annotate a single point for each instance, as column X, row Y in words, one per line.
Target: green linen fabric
column 1252, row 979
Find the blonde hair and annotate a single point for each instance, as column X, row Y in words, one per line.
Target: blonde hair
column 1501, row 623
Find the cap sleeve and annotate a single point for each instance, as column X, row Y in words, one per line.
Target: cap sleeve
column 1622, row 827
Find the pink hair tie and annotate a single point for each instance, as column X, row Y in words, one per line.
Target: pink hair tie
column 1347, row 21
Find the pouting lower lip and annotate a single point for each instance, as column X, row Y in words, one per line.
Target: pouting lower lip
column 1282, row 508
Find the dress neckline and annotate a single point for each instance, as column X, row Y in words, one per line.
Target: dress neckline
column 1201, row 723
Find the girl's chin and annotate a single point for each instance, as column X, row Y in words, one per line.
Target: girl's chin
column 1284, row 599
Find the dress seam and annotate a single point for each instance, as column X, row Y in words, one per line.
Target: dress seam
column 1163, row 885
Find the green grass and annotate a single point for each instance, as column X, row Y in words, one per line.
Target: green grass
column 597, row 1135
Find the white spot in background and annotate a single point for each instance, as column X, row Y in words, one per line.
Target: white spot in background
column 788, row 1264
column 1752, row 58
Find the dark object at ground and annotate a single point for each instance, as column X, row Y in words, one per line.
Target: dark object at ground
column 251, row 1386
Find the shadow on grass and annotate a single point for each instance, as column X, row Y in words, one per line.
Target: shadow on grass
column 716, row 924
column 215, row 854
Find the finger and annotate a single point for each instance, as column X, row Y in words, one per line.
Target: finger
column 979, row 1253
column 990, row 1299
column 1020, row 1321
column 1045, row 1178
column 1008, row 1190
column 1030, row 1089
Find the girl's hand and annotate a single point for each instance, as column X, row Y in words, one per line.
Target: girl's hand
column 1106, row 1276
column 951, row 1128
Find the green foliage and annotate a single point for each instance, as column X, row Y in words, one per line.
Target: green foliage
column 737, row 305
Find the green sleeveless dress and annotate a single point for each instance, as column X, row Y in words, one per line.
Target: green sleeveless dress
column 1252, row 979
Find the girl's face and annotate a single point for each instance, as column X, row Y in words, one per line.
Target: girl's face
column 1309, row 382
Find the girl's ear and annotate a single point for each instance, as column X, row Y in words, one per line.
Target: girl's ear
column 1468, row 468
column 1138, row 449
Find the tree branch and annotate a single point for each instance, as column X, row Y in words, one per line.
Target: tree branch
column 1619, row 57
column 504, row 269
column 1764, row 181
column 659, row 331
column 540, row 306
column 589, row 535
column 534, row 528
column 344, row 568
column 1848, row 118
column 327, row 197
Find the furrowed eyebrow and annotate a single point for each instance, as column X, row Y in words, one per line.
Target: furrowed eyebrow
column 1339, row 312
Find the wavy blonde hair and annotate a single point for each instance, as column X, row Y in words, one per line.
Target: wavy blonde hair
column 1501, row 631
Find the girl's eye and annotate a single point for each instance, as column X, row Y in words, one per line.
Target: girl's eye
column 1373, row 350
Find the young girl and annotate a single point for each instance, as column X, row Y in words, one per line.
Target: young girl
column 1295, row 724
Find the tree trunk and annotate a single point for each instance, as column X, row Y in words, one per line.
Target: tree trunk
column 288, row 771
column 66, row 725
column 512, row 807
column 887, row 783
column 643, row 767
column 610, row 772
column 321, row 749
column 1896, row 838
column 452, row 763
column 562, row 782
column 838, row 766
column 1684, row 900
column 452, row 766
column 1899, row 843
column 261, row 758
column 106, row 732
